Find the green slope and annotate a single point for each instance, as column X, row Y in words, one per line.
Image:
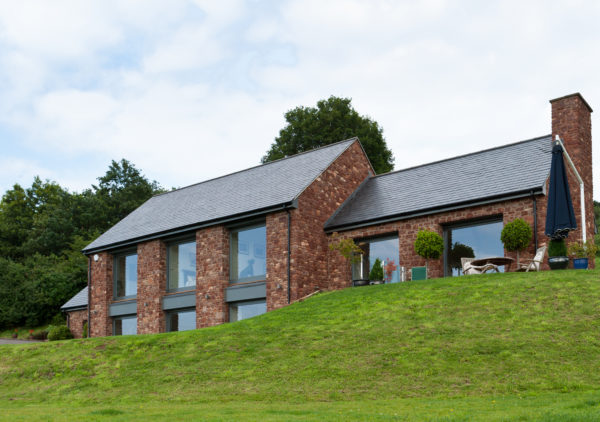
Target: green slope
column 477, row 336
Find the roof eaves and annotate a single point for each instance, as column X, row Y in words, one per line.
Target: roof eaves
column 237, row 217
column 436, row 210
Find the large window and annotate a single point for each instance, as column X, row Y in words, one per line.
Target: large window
column 385, row 249
column 478, row 239
column 124, row 326
column 182, row 320
column 248, row 253
column 244, row 310
column 125, row 276
column 181, row 258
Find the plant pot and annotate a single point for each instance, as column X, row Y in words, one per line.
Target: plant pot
column 360, row 282
column 376, row 282
column 558, row 262
column 580, row 263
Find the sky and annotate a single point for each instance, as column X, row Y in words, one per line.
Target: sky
column 191, row 90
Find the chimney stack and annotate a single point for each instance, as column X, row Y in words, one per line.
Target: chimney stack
column 572, row 121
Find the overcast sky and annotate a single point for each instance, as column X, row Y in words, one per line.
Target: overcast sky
column 190, row 90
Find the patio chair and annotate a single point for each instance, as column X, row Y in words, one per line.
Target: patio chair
column 534, row 264
column 469, row 269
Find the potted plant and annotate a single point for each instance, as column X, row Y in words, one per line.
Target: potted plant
column 581, row 253
column 350, row 251
column 376, row 274
column 516, row 236
column 429, row 245
column 557, row 253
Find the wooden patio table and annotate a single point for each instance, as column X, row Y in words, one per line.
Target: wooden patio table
column 495, row 260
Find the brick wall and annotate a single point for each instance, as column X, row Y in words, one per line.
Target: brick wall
column 151, row 286
column 75, row 321
column 212, row 275
column 308, row 240
column 571, row 120
column 101, row 293
column 406, row 230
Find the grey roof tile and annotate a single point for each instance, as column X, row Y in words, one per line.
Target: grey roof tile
column 268, row 185
column 473, row 177
column 80, row 300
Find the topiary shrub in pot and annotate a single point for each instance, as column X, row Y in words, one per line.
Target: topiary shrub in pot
column 429, row 245
column 557, row 253
column 376, row 274
column 516, row 236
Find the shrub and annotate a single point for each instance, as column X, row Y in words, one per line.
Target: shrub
column 85, row 330
column 346, row 247
column 40, row 335
column 579, row 250
column 59, row 332
column 557, row 248
column 58, row 319
column 377, row 271
column 516, row 236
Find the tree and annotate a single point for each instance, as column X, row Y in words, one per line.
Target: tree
column 333, row 120
column 516, row 236
column 429, row 245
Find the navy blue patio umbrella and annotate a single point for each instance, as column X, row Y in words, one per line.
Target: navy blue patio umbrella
column 560, row 217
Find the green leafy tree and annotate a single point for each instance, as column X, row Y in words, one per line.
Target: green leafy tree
column 516, row 236
column 429, row 245
column 332, row 120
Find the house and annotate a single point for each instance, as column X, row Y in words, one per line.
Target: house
column 252, row 241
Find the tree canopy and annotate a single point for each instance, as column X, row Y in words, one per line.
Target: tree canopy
column 332, row 120
column 42, row 231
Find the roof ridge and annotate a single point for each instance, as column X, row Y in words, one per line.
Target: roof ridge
column 463, row 155
column 257, row 166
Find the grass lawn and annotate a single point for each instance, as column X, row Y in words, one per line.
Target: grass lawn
column 489, row 347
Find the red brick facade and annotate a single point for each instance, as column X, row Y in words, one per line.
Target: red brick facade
column 151, row 285
column 76, row 320
column 311, row 264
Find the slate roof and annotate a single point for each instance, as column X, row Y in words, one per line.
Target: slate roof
column 496, row 173
column 267, row 186
column 80, row 300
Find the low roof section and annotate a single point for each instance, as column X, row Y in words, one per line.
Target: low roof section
column 254, row 191
column 77, row 302
column 509, row 171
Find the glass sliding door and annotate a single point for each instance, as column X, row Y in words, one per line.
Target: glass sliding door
column 385, row 249
column 471, row 240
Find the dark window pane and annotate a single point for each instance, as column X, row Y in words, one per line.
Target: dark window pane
column 243, row 310
column 182, row 320
column 126, row 275
column 125, row 326
column 480, row 240
column 248, row 254
column 182, row 265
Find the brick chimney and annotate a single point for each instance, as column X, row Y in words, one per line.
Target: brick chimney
column 571, row 120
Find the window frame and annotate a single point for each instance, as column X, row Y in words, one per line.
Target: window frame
column 180, row 241
column 477, row 221
column 377, row 238
column 176, row 311
column 116, row 256
column 245, row 302
column 122, row 317
column 237, row 229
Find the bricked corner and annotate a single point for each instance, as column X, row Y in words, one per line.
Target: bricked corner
column 75, row 322
column 212, row 276
column 151, row 285
column 101, row 294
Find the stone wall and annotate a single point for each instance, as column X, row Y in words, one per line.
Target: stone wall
column 212, row 275
column 75, row 322
column 101, row 294
column 151, row 286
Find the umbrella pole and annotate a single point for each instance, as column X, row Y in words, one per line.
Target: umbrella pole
column 581, row 188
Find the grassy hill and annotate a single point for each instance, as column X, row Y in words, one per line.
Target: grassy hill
column 497, row 347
